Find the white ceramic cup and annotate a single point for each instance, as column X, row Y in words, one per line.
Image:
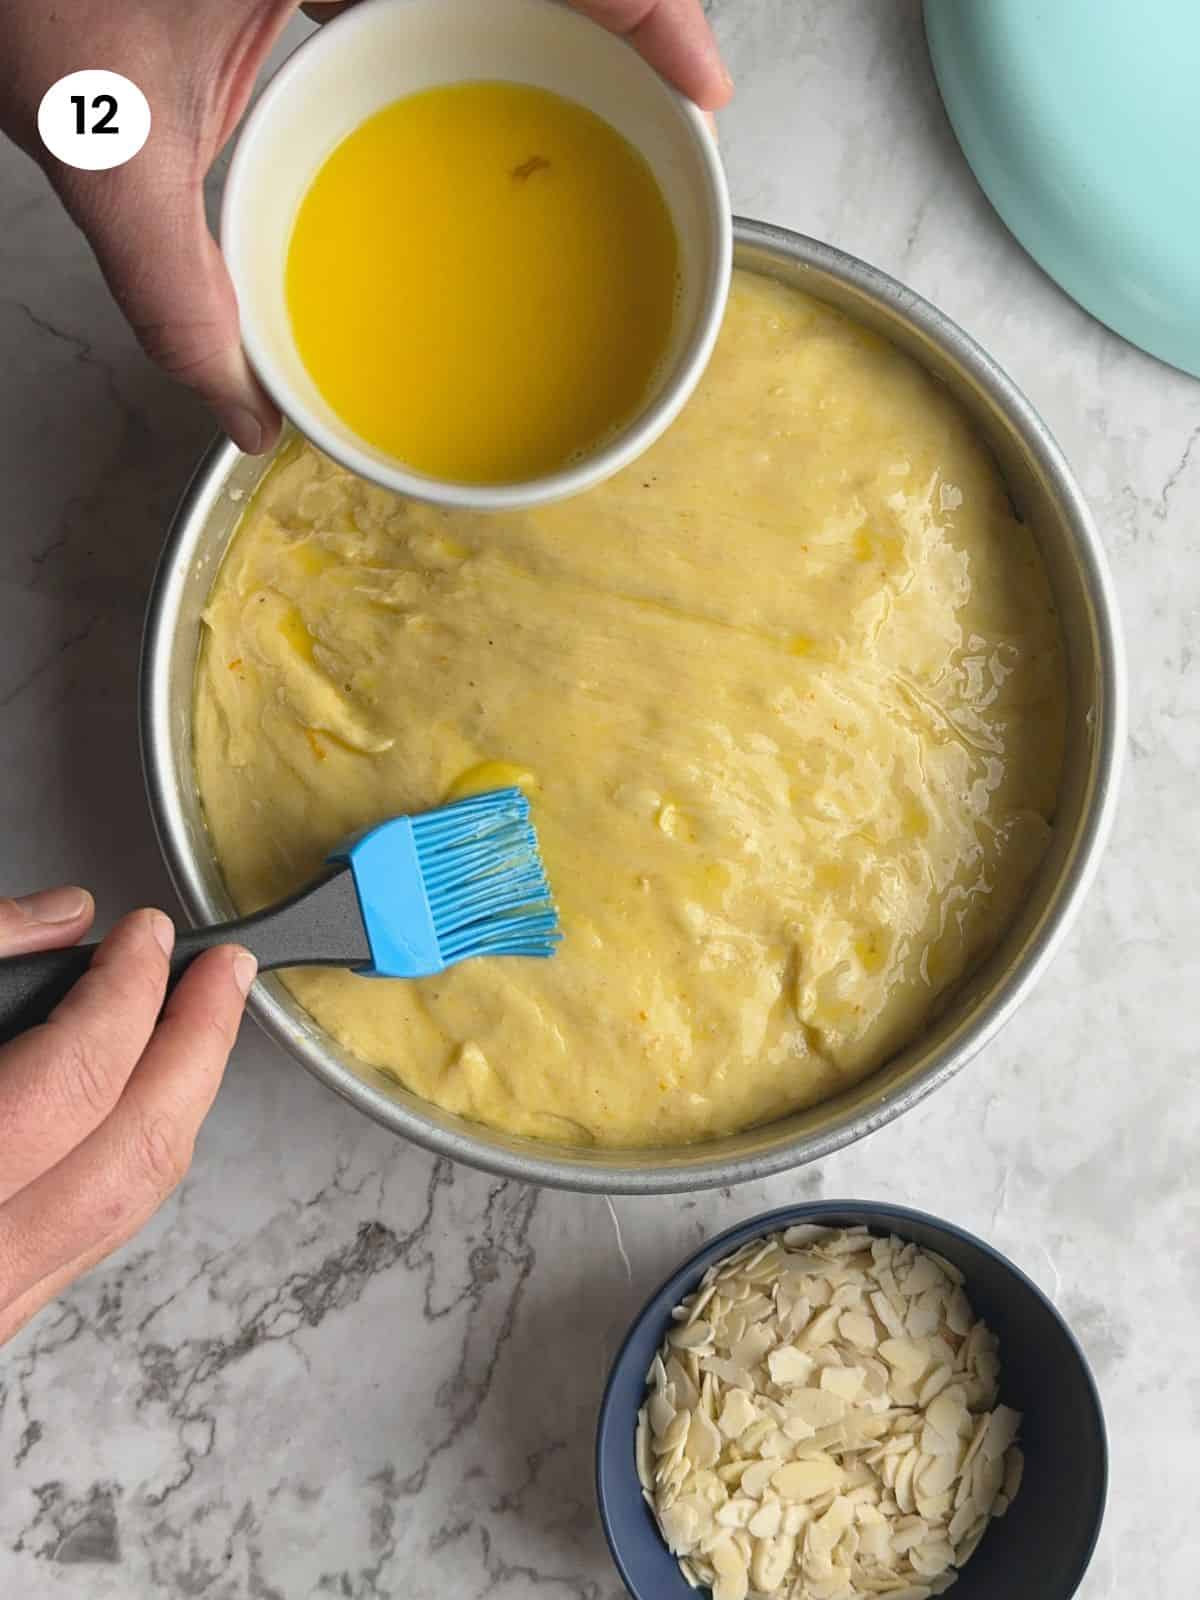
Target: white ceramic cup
column 378, row 52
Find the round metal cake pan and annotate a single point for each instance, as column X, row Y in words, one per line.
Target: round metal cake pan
column 1044, row 493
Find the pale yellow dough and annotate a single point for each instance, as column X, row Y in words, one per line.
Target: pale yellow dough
column 786, row 696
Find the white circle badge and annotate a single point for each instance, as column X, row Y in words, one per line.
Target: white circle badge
column 94, row 120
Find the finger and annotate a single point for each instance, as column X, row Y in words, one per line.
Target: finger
column 44, row 921
column 673, row 35
column 150, row 235
column 675, row 38
column 61, row 1080
column 108, row 1186
column 18, row 1312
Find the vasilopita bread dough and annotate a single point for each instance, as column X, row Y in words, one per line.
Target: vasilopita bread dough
column 787, row 696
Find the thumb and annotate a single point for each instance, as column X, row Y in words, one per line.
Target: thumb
column 164, row 269
column 44, row 921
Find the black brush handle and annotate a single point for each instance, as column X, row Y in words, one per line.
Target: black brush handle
column 320, row 926
column 31, row 986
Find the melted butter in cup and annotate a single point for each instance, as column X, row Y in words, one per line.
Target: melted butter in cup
column 535, row 341
column 484, row 366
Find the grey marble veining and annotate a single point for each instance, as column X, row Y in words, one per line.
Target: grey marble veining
column 335, row 1367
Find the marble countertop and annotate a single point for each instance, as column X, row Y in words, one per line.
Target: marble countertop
column 334, row 1366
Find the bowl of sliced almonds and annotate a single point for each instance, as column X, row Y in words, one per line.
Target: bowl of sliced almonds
column 847, row 1399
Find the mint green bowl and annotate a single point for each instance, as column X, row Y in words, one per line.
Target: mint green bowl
column 1081, row 121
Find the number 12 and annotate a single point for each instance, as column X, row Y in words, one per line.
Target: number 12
column 100, row 102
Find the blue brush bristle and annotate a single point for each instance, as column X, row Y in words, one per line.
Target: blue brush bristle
column 484, row 880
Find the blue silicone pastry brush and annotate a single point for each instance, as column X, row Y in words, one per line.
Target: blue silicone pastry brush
column 406, row 899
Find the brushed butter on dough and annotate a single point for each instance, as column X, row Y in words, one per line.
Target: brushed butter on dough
column 786, row 696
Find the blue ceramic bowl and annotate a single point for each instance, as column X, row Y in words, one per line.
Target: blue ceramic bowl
column 1039, row 1551
column 1082, row 122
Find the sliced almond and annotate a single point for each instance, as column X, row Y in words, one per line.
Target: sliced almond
column 756, row 1478
column 755, row 1434
column 727, row 1372
column 797, row 1429
column 687, row 1394
column 987, row 1482
column 1001, row 1431
column 690, row 1336
column 732, row 1585
column 844, row 1382
column 947, row 1267
column 681, row 1525
column 947, row 1412
column 642, row 1452
column 777, row 1446
column 924, row 1274
column 933, row 1385
column 958, row 1313
column 887, row 1314
column 771, row 1563
column 908, row 1357
column 875, row 1542
column 964, row 1551
column 907, row 1532
column 796, row 1518
column 661, row 1413
column 804, row 1480
column 675, row 1436
column 788, row 1365
column 936, row 1475
column 822, row 1423
column 924, row 1316
column 904, row 1479
column 752, row 1347
column 737, row 1414
column 934, row 1507
column 736, row 1513
column 822, row 1328
column 838, row 1518
column 817, row 1407
column 858, row 1329
column 932, row 1558
column 977, row 1437
column 767, row 1521
column 703, row 1445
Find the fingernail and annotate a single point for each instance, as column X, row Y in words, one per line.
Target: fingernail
column 245, row 969
column 726, row 78
column 243, row 427
column 163, row 930
column 55, row 905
